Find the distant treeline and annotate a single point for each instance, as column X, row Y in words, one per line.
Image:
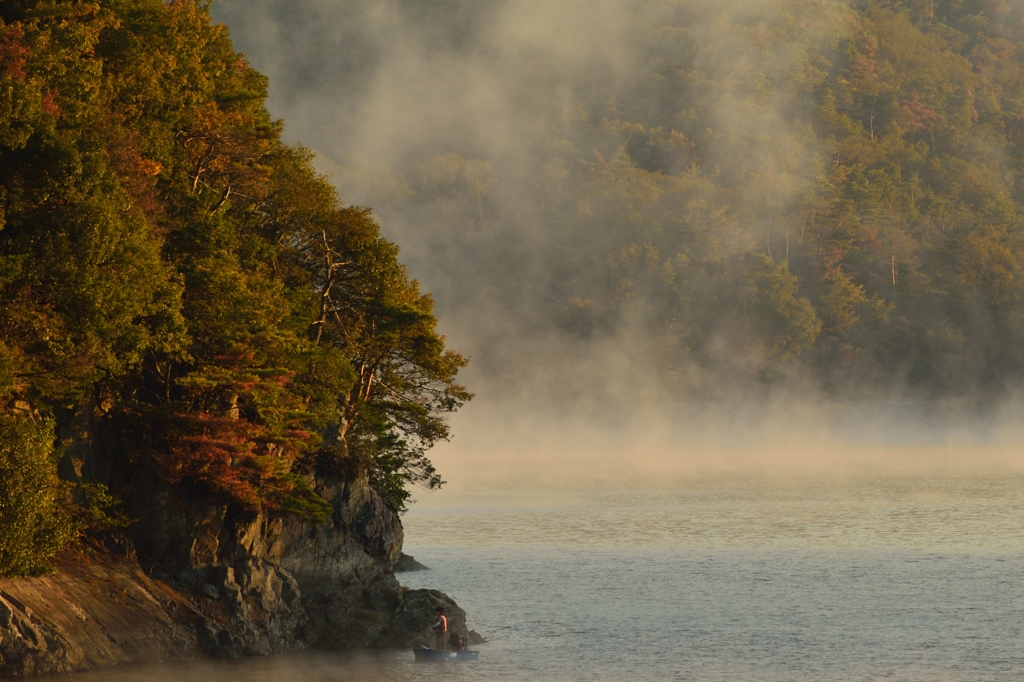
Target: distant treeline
column 803, row 191
column 179, row 288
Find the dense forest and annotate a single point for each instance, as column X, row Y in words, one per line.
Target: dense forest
column 754, row 196
column 181, row 289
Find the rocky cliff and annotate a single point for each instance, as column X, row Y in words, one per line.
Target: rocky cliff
column 94, row 612
column 211, row 581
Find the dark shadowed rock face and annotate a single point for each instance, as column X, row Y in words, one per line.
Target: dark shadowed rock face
column 344, row 567
column 228, row 562
column 280, row 584
column 345, row 571
column 224, row 584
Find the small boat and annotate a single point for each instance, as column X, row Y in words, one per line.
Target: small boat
column 423, row 654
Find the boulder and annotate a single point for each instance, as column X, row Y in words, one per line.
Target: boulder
column 407, row 564
column 413, row 621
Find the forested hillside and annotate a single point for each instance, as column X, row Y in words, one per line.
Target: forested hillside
column 681, row 198
column 179, row 289
column 746, row 195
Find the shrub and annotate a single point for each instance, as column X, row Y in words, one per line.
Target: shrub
column 35, row 516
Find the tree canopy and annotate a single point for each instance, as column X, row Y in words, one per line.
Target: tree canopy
column 174, row 271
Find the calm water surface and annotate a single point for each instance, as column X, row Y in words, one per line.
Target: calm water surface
column 900, row 577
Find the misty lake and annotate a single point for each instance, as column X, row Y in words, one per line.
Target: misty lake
column 896, row 577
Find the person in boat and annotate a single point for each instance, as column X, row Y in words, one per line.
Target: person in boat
column 456, row 642
column 440, row 628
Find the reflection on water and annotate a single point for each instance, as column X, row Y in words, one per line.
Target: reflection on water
column 917, row 578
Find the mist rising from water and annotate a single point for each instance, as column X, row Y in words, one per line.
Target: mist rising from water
column 468, row 92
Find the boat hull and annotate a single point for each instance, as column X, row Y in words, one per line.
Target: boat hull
column 439, row 655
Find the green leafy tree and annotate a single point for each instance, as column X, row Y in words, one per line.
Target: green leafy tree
column 160, row 279
column 404, row 379
column 784, row 322
column 35, row 514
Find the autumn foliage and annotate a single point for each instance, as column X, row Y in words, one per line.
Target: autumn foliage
column 162, row 274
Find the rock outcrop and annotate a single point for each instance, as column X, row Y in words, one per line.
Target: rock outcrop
column 345, row 567
column 412, row 623
column 408, row 564
column 94, row 612
column 213, row 581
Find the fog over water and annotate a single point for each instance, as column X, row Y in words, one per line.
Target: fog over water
column 616, row 509
column 467, row 93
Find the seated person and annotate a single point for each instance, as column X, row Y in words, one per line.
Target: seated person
column 456, row 642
